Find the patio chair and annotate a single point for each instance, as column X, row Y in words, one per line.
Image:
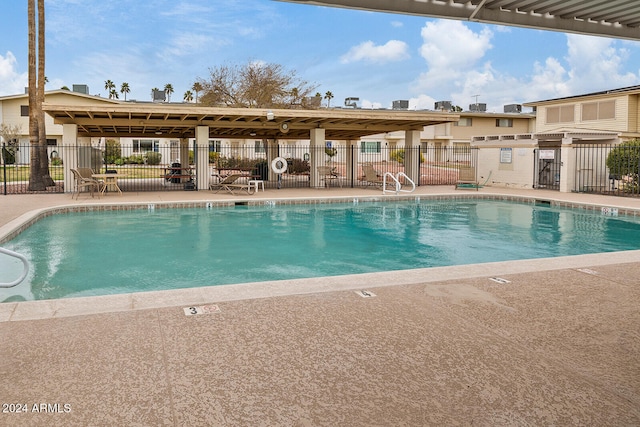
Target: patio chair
column 467, row 179
column 91, row 184
column 371, row 176
column 328, row 174
column 230, row 184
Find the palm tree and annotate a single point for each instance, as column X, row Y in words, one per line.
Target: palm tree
column 188, row 96
column 109, row 87
column 168, row 89
column 113, row 93
column 37, row 173
column 42, row 81
column 197, row 87
column 124, row 89
column 328, row 96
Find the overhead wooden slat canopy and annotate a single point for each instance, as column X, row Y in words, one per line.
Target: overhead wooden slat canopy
column 180, row 121
column 610, row 18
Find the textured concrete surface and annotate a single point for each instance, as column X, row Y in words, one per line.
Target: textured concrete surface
column 552, row 346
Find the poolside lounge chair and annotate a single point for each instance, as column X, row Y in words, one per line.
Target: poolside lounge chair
column 467, row 178
column 229, row 184
column 328, row 174
column 371, row 176
column 91, row 184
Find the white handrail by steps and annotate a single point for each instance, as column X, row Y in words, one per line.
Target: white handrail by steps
column 25, row 262
column 396, row 180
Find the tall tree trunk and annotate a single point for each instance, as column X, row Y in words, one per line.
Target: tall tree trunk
column 35, row 175
column 42, row 130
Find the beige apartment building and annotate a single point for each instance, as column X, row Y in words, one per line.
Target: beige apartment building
column 513, row 149
column 567, row 147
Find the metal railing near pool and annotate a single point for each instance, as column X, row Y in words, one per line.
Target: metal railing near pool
column 25, row 271
column 395, row 181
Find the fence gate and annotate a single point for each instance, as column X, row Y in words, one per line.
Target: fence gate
column 547, row 168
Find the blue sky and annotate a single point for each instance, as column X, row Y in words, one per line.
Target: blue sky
column 376, row 57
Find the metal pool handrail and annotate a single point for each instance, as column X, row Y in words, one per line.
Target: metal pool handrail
column 396, row 180
column 25, row 262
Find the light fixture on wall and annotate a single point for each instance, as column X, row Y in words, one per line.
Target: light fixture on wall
column 158, row 132
column 252, row 134
column 270, row 115
column 284, row 127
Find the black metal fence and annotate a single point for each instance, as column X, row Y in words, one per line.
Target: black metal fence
column 608, row 169
column 160, row 168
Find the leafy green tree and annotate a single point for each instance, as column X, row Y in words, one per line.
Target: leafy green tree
column 10, row 135
column 624, row 161
column 113, row 151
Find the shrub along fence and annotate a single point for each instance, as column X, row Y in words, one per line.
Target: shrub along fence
column 608, row 169
column 155, row 170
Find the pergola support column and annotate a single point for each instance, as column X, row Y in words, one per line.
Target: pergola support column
column 69, row 155
column 567, row 165
column 318, row 142
column 201, row 157
column 412, row 154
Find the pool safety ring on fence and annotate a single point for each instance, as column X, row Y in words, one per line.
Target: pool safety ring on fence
column 279, row 165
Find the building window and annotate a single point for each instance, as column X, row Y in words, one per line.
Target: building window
column 215, row 145
column 561, row 114
column 599, row 110
column 259, row 147
column 24, row 110
column 144, row 145
column 465, row 121
column 52, row 142
column 369, row 146
column 504, row 123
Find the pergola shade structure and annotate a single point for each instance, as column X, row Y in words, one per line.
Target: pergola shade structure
column 610, row 18
column 169, row 121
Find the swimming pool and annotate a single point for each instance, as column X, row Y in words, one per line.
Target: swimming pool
column 108, row 252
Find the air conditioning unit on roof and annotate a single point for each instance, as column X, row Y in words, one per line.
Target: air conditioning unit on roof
column 443, row 105
column 401, row 104
column 478, row 108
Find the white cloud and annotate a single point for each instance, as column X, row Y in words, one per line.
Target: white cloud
column 187, row 44
column 451, row 45
column 422, row 102
column 366, row 104
column 396, row 24
column 11, row 81
column 392, row 51
column 451, row 50
column 456, row 69
column 596, row 59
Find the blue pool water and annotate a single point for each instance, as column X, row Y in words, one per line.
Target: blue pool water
column 98, row 253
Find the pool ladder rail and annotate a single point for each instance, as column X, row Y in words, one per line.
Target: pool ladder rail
column 395, row 181
column 25, row 263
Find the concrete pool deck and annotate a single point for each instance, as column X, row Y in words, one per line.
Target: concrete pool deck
column 557, row 342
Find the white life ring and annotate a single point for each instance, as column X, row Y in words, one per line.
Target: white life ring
column 279, row 165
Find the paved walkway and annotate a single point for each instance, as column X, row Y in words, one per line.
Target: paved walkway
column 557, row 343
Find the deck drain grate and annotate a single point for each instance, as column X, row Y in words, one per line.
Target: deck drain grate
column 201, row 309
column 500, row 280
column 366, row 294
